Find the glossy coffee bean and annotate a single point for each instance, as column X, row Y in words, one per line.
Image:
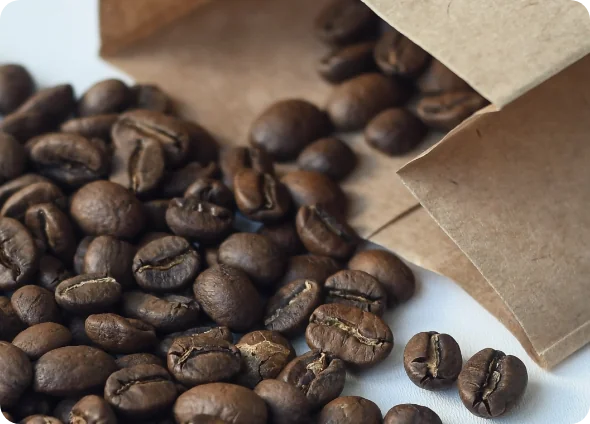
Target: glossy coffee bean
column 43, row 192
column 175, row 183
column 433, row 361
column 438, row 79
column 288, row 311
column 315, row 188
column 199, row 220
column 311, row 267
column 40, row 419
column 330, row 156
column 26, row 125
column 52, row 271
column 286, row 127
column 134, row 359
column 411, row 414
column 92, row 410
column 39, row 339
column 261, row 197
column 221, row 333
column 492, row 383
column 16, row 374
column 116, row 334
column 345, row 21
column 81, row 253
column 395, row 276
column 347, row 62
column 212, row 191
column 16, row 85
column 10, row 187
column 395, row 132
column 357, row 337
column 34, row 305
column 228, row 297
column 155, row 213
column 108, row 96
column 88, row 293
column 55, row 103
column 286, row 404
column 10, row 323
column 349, row 410
column 447, row 110
column 396, row 54
column 234, row 159
column 203, row 147
column 356, row 288
column 98, row 126
column 283, row 235
column 52, row 230
column 12, row 157
column 318, row 375
column 150, row 97
column 19, row 254
column 109, row 256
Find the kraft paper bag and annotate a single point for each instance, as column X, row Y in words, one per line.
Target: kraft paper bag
column 505, row 189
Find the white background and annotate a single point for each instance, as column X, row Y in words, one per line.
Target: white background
column 58, row 41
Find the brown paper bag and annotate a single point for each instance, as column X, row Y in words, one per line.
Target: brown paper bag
column 506, row 187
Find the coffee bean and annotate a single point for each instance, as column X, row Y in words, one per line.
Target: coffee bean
column 318, row 375
column 64, row 407
column 203, row 148
column 35, row 305
column 165, row 264
column 134, row 359
column 396, row 54
column 355, row 102
column 18, row 254
column 155, row 213
column 105, row 208
column 52, row 230
column 32, row 403
column 228, row 297
column 288, row 311
column 24, row 126
column 345, row 21
column 286, row 127
column 16, row 85
column 88, row 293
column 10, row 323
column 324, row 234
column 168, row 314
column 31, row 195
column 39, row 339
column 347, row 62
column 234, row 159
column 203, row 221
column 98, row 126
column 492, row 383
column 92, row 410
column 116, row 334
column 357, row 337
column 356, row 288
column 311, row 267
column 433, row 361
column 76, row 327
column 40, row 419
column 72, row 370
column 395, row 132
column 81, row 253
column 447, row 110
column 52, row 272
column 411, row 414
column 330, row 156
column 211, row 191
column 349, row 410
column 150, row 97
column 108, row 96
column 108, row 256
column 13, row 157
column 228, row 402
column 56, row 103
column 283, row 235
column 175, row 183
column 261, row 197
column 264, row 355
column 16, row 374
column 286, row 404
column 438, row 78
column 10, row 187
column 315, row 188
column 396, row 277
column 222, row 333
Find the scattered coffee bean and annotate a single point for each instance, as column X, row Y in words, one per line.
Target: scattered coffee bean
column 52, row 230
column 134, row 359
column 52, row 272
column 81, row 253
column 108, row 256
column 311, row 267
column 395, row 132
column 64, row 407
column 9, row 188
column 345, row 21
column 150, row 97
column 222, row 333
column 330, row 156
column 347, row 62
column 356, row 288
column 16, row 374
column 447, row 110
column 234, row 159
column 13, row 157
column 35, row 305
column 88, row 293
column 55, row 103
column 26, row 125
column 314, row 188
column 155, row 214
column 39, row 339
column 117, row 334
column 203, row 147
column 396, row 54
column 175, row 183
column 349, row 410
column 283, row 235
column 98, row 126
column 411, row 414
column 211, row 191
column 40, row 419
column 203, row 221
column 18, row 254
column 16, row 85
column 286, row 404
column 44, row 192
column 92, row 410
column 10, row 323
column 261, row 197
column 108, row 96
column 438, row 78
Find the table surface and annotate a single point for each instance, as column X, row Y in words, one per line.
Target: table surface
column 58, row 41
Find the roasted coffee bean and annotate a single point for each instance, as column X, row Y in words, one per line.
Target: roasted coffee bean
column 16, row 374
column 492, row 383
column 108, row 256
column 411, row 414
column 222, row 333
column 311, row 267
column 18, row 254
column 175, row 183
column 261, row 197
column 345, row 21
column 286, row 127
column 165, row 264
column 355, row 102
column 447, row 110
column 288, row 311
column 233, row 159
column 140, row 391
column 330, row 156
column 81, row 253
column 283, row 235
column 228, row 402
column 203, row 221
column 108, row 96
column 98, row 126
column 56, row 103
column 395, row 276
column 88, row 293
column 325, row 234
column 254, row 254
column 31, row 195
column 10, row 323
column 9, row 188
column 356, row 288
column 438, row 78
column 16, row 85
column 134, row 359
column 195, row 360
column 76, row 327
column 39, row 339
column 52, row 272
column 228, row 297
column 212, row 191
column 264, row 355
column 64, row 407
column 347, row 62
column 168, row 314
column 52, row 230
column 34, row 305
column 396, row 54
column 92, row 410
column 203, row 146
column 116, row 334
column 286, row 404
column 350, row 410
column 357, row 337
column 24, row 126
column 315, row 188
column 150, row 97
column 40, row 419
column 105, row 208
column 318, row 375
column 72, row 370
column 155, row 213
column 13, row 157
column 395, row 132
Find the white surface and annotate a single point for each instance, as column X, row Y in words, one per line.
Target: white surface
column 58, row 41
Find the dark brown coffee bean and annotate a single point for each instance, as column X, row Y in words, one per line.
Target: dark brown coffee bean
column 203, row 221
column 356, row 288
column 165, row 264
column 81, row 253
column 175, row 183
column 134, row 359
column 105, row 208
column 315, row 188
column 492, row 383
column 10, row 323
column 150, row 97
column 35, row 305
column 355, row 102
column 211, row 191
column 228, row 297
column 18, row 255
column 347, row 62
column 324, row 234
column 330, row 156
column 261, row 197
column 88, row 293
column 116, row 334
column 9, row 188
column 13, row 157
column 108, row 256
column 264, row 355
column 288, row 311
column 98, row 126
column 16, row 85
column 40, row 419
column 345, row 21
column 447, row 110
column 357, row 337
column 39, row 339
column 349, row 410
column 438, row 78
column 396, row 54
column 234, row 159
column 52, row 230
column 92, row 410
column 222, row 333
column 155, row 213
column 57, row 103
column 395, row 132
column 108, row 96
column 231, row 403
column 286, row 127
column 395, row 276
column 34, row 194
column 311, row 267
column 24, row 126
column 286, row 404
column 203, row 148
column 64, row 407
column 72, row 370
column 283, row 235
column 318, row 375
column 52, row 271
column 411, row 414
column 16, row 374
